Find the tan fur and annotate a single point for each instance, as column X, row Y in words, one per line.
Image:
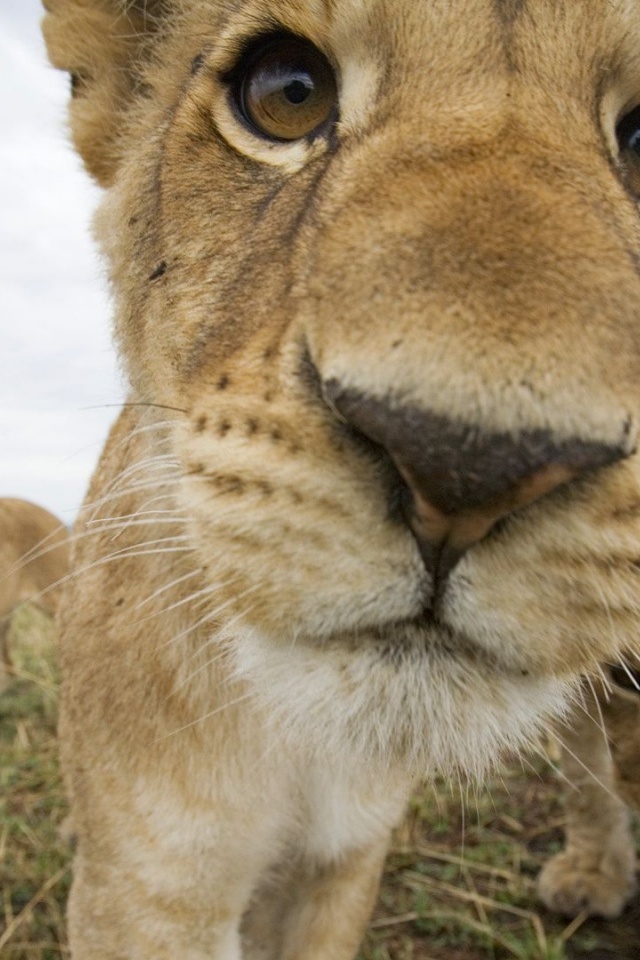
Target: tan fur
column 249, row 689
column 34, row 558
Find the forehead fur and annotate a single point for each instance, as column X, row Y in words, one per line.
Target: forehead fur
column 443, row 47
column 436, row 56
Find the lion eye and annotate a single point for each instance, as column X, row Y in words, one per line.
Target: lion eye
column 628, row 135
column 285, row 89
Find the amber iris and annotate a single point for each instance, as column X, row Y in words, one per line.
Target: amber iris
column 287, row 89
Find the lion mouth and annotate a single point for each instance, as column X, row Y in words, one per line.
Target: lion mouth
column 429, row 637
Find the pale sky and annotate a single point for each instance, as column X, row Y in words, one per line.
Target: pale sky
column 58, row 376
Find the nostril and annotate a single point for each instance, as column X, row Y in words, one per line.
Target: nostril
column 463, row 479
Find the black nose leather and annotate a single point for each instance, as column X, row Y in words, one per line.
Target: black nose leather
column 462, row 478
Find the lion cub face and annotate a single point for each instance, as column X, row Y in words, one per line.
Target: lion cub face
column 381, row 260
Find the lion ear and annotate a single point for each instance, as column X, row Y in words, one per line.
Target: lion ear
column 104, row 45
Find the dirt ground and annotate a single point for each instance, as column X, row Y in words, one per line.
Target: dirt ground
column 476, row 864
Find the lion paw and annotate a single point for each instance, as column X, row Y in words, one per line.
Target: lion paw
column 570, row 883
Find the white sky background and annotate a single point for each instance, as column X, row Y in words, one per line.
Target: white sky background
column 56, row 358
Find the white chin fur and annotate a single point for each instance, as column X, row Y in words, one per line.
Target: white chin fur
column 428, row 713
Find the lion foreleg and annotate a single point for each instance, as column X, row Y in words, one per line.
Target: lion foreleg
column 596, row 870
column 330, row 914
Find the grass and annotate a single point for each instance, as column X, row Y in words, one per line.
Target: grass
column 459, row 882
column 34, row 861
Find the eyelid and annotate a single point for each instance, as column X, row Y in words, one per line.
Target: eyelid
column 240, row 49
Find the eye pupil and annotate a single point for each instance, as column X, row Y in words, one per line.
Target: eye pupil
column 298, row 91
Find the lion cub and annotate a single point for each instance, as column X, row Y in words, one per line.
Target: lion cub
column 374, row 503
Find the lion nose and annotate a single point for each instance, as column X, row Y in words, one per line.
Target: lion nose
column 462, row 478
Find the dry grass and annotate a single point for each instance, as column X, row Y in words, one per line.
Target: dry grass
column 459, row 884
column 34, row 862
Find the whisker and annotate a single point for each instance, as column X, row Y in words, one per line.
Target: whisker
column 113, row 493
column 132, row 516
column 190, row 677
column 586, row 769
column 143, row 429
column 135, row 488
column 135, row 403
column 599, row 722
column 206, row 716
column 125, row 553
column 117, row 527
column 158, row 499
column 607, row 608
column 198, row 596
column 631, row 677
column 167, row 586
column 225, row 630
column 604, row 680
column 37, row 551
column 580, row 703
column 108, row 525
column 209, row 616
column 194, row 626
column 146, row 462
column 150, row 465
